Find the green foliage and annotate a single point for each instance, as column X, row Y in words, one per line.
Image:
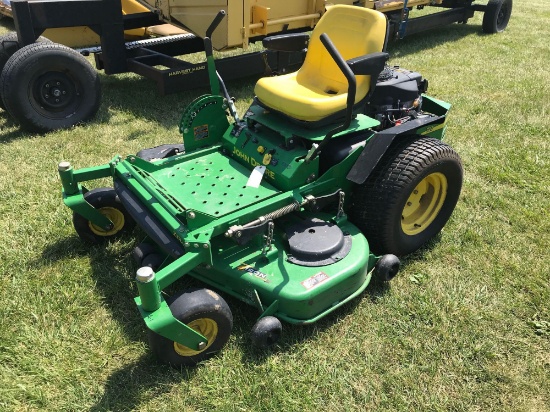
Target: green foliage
column 465, row 326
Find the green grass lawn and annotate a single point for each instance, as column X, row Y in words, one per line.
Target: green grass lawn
column 464, row 327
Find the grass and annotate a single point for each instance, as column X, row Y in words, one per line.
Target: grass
column 465, row 326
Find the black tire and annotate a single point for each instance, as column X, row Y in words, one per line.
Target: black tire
column 496, row 16
column 108, row 203
column 8, row 46
column 141, row 251
column 266, row 332
column 154, row 261
column 409, row 196
column 204, row 311
column 47, row 86
column 386, row 268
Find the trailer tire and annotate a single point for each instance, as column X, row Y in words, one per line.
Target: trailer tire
column 9, row 44
column 409, row 196
column 496, row 16
column 47, row 86
column 107, row 202
column 206, row 312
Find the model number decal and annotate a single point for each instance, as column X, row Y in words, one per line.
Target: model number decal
column 249, row 269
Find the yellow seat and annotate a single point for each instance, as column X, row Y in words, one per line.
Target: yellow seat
column 319, row 88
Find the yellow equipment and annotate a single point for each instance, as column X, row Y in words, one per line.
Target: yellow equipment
column 82, row 36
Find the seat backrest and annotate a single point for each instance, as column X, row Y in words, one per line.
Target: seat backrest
column 355, row 31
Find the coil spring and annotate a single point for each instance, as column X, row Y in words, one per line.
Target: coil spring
column 282, row 211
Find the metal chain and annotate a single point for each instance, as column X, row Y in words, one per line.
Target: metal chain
column 268, row 238
column 341, row 205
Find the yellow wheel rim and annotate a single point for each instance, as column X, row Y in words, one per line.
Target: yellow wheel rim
column 115, row 216
column 424, row 204
column 206, row 327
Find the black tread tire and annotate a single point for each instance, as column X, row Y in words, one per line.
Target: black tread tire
column 29, row 75
column 102, row 198
column 378, row 203
column 8, row 46
column 496, row 16
column 266, row 332
column 187, row 306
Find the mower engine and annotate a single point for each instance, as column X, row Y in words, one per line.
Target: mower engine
column 397, row 97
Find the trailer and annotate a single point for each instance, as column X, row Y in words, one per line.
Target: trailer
column 45, row 85
column 81, row 37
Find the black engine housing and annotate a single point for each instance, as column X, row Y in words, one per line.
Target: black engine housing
column 397, row 96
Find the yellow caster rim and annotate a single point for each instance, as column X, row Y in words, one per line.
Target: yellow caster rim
column 115, row 216
column 206, row 327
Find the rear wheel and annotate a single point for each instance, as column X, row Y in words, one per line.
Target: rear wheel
column 204, row 311
column 47, row 86
column 108, row 203
column 410, row 195
column 496, row 16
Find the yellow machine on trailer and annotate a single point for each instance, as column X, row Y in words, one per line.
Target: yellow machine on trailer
column 83, row 36
column 250, row 19
column 44, row 29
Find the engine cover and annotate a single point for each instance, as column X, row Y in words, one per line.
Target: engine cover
column 395, row 84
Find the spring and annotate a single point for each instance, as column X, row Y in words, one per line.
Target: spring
column 285, row 210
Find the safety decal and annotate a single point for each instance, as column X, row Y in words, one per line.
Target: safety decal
column 314, row 280
column 201, row 132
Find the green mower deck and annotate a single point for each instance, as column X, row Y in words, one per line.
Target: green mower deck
column 291, row 219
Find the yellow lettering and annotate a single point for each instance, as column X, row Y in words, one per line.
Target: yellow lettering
column 253, row 162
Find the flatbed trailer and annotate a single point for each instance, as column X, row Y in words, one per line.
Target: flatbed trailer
column 156, row 58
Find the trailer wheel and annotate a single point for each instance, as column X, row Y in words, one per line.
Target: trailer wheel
column 9, row 44
column 206, row 312
column 496, row 16
column 108, row 203
column 409, row 196
column 47, row 86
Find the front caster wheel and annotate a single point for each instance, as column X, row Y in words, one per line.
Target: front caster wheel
column 108, row 203
column 47, row 86
column 204, row 311
column 266, row 332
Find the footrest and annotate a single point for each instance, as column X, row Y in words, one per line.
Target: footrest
column 148, row 222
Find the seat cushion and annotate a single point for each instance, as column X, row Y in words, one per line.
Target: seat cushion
column 319, row 89
column 299, row 101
